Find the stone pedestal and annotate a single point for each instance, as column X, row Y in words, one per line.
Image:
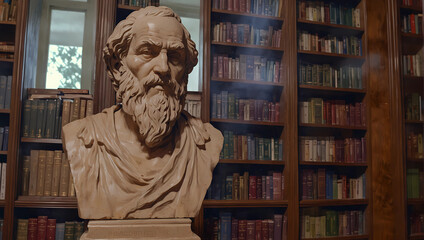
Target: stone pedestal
column 140, row 229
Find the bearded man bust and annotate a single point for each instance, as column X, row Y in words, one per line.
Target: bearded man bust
column 145, row 157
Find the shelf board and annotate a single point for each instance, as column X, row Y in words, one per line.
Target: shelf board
column 6, row 60
column 41, row 140
column 246, row 46
column 314, row 125
column 415, row 160
column 414, row 121
column 413, row 78
column 332, row 202
column 244, row 203
column 412, row 36
column 334, row 55
column 3, row 152
column 416, row 236
column 127, row 7
column 247, row 82
column 277, row 124
column 214, row 10
column 46, row 202
column 257, row 162
column 339, row 237
column 4, row 110
column 342, row 164
column 7, row 22
column 331, row 89
column 405, row 8
column 329, row 27
column 2, row 203
column 415, row 201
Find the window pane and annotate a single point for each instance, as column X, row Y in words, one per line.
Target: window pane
column 192, row 25
column 65, row 49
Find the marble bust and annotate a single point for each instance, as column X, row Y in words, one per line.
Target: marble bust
column 144, row 157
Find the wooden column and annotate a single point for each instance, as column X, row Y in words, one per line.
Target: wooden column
column 388, row 206
column 104, row 95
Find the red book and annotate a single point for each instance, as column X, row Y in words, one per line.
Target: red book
column 276, row 181
column 352, row 150
column 32, row 229
column 329, row 116
column 333, row 112
column 242, row 228
column 324, row 112
column 234, row 229
column 259, row 187
column 265, row 232
column 226, row 70
column 242, row 5
column 239, row 147
column 278, row 223
column 263, row 187
column 363, row 114
column 252, row 187
column 283, row 191
column 248, row 6
column 51, row 229
column 358, row 152
column 321, row 183
column 258, row 229
column 304, row 184
column 358, row 114
column 250, row 230
column 344, row 187
column 220, row 66
column 236, row 5
column 268, row 188
column 346, row 151
column 41, row 227
column 277, row 112
column 230, row 5
column 270, row 229
column 284, row 228
column 364, row 152
column 412, row 21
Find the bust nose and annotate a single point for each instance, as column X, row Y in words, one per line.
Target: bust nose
column 161, row 65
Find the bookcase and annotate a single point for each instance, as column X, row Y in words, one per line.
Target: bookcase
column 333, row 141
column 411, row 48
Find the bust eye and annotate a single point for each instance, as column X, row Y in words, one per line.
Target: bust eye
column 175, row 57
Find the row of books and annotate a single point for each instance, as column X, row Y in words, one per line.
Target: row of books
column 8, row 10
column 329, row 223
column 267, row 8
column 4, row 138
column 249, row 147
column 333, row 13
column 414, row 146
column 44, row 118
column 322, row 183
column 245, row 187
column 194, row 107
column 3, row 169
column 6, row 55
column 332, row 112
column 412, row 3
column 329, row 76
column 412, row 23
column 349, row 45
column 413, row 107
column 7, row 46
column 226, row 227
column 328, row 149
column 5, row 91
column 412, row 64
column 246, row 34
column 247, row 67
column 47, row 173
column 140, row 3
column 227, row 105
column 414, row 183
column 416, row 221
column 44, row 228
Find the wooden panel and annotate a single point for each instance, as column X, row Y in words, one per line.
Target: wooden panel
column 104, row 95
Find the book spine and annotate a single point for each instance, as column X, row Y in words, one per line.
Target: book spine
column 48, row 173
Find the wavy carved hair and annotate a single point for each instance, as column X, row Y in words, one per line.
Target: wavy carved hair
column 119, row 41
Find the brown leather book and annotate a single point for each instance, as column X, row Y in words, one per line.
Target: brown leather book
column 90, row 107
column 66, row 111
column 82, row 109
column 57, row 163
column 49, row 173
column 33, row 170
column 75, row 110
column 25, row 175
column 41, row 174
column 51, row 229
column 64, row 177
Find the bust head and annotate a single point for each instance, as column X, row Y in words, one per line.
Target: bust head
column 149, row 56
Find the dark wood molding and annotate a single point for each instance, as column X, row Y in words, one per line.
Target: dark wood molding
column 104, row 95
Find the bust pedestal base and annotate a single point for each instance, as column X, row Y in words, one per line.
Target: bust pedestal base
column 140, row 229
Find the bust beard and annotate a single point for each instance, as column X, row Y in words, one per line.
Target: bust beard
column 155, row 114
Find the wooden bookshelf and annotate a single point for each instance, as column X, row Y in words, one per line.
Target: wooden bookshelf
column 340, row 237
column 250, row 15
column 254, row 162
column 46, row 202
column 333, row 55
column 3, row 152
column 41, row 140
column 6, row 60
column 336, row 164
column 316, row 125
column 244, row 81
column 2, row 203
column 257, row 47
column 244, row 203
column 413, row 9
column 5, row 111
column 126, row 7
column 333, row 202
column 235, row 121
column 416, row 201
column 7, row 22
column 329, row 27
column 416, row 236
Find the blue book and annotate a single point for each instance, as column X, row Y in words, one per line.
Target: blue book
column 225, row 225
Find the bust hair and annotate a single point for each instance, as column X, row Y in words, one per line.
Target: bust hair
column 119, row 41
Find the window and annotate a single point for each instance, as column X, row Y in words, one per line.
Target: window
column 189, row 12
column 66, row 44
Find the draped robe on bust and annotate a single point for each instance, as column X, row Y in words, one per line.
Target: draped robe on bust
column 110, row 184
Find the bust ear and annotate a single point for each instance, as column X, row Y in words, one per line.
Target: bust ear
column 113, row 64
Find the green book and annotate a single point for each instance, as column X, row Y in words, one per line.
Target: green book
column 26, row 115
column 3, row 83
column 22, row 229
column 49, row 123
column 57, row 119
column 230, row 145
column 33, row 118
column 41, row 107
column 226, row 144
column 79, row 230
column 69, row 230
